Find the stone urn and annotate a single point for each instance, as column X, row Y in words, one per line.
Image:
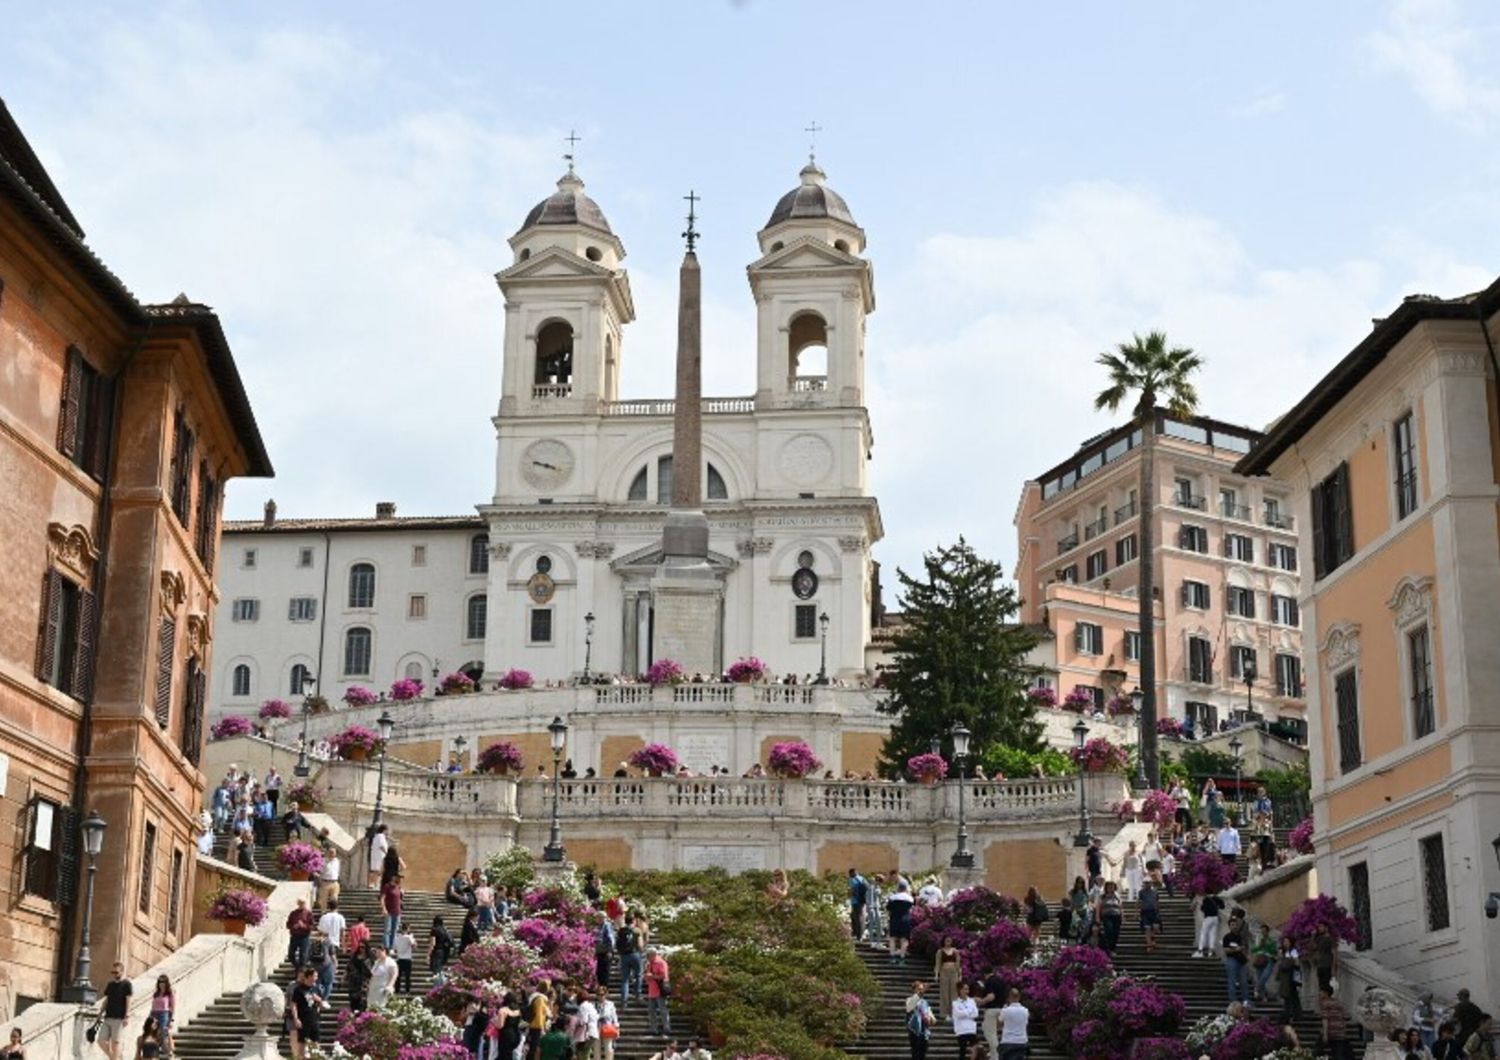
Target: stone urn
column 262, row 1005
column 1382, row 1014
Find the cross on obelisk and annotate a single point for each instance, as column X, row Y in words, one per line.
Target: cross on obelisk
column 572, row 141
column 691, row 235
column 812, row 145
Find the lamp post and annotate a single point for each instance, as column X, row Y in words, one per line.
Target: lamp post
column 823, row 649
column 386, row 724
column 1136, row 698
column 302, row 768
column 1237, row 748
column 1249, row 675
column 1084, row 836
column 82, row 991
column 588, row 646
column 554, row 850
column 963, row 857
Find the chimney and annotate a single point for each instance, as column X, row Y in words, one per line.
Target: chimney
column 385, row 509
column 270, row 518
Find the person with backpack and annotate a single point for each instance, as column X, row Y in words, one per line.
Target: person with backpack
column 859, row 894
column 628, row 946
column 604, row 950
column 919, row 1021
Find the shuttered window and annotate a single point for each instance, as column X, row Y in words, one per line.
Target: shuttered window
column 65, row 637
column 148, row 868
column 1332, row 522
column 85, row 414
column 166, row 648
column 182, row 467
column 207, row 516
column 174, row 894
column 194, row 695
column 51, row 851
column 1346, row 696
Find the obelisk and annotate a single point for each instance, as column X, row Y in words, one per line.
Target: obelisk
column 687, row 593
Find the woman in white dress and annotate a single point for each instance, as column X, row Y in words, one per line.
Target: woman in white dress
column 1133, row 870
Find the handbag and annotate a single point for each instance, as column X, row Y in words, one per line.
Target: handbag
column 609, row 1031
column 93, row 1032
column 665, row 986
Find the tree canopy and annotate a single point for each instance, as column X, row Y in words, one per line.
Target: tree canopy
column 959, row 657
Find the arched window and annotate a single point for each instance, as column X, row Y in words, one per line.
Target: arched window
column 357, row 649
column 554, row 354
column 664, row 480
column 479, row 554
column 362, row 585
column 298, row 676
column 473, row 670
column 477, row 617
column 637, row 487
column 413, row 671
column 241, row 680
column 807, row 349
column 714, row 488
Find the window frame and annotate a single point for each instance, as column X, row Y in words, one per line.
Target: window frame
column 295, row 678
column 245, row 609
column 532, row 615
column 1281, row 684
column 234, row 680
column 248, row 558
column 1436, row 896
column 1195, row 674
column 1358, row 875
column 1280, row 603
column 1349, row 743
column 1132, row 636
column 799, row 609
column 1239, row 601
column 150, row 835
column 1129, row 543
column 469, row 617
column 1088, row 638
column 416, row 607
column 302, row 609
column 1332, row 522
column 1280, row 549
column 419, row 555
column 1404, row 455
column 1232, row 549
column 305, row 557
column 1190, row 536
column 357, row 591
column 1090, row 573
column 479, row 554
column 369, row 638
column 1190, row 594
column 1410, row 679
column 1238, row 653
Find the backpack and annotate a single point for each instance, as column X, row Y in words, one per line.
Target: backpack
column 625, row 941
column 916, row 1021
column 860, row 891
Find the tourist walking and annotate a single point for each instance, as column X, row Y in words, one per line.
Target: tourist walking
column 1481, row 1044
column 1426, row 1017
column 1288, row 979
column 628, row 946
column 272, row 784
column 468, row 934
column 898, row 912
column 1210, row 906
column 406, row 945
column 13, row 1050
column 1262, row 964
column 148, row 1045
column 875, row 909
column 859, row 895
column 1335, row 1025
column 303, row 1007
column 1213, row 803
column 163, row 1005
column 484, row 905
column 439, row 948
column 1132, row 869
column 945, row 969
column 390, row 901
column 115, row 1010
column 1236, row 961
column 1111, row 913
column 380, row 842
column 1325, row 955
column 329, row 887
column 604, row 951
column 1183, row 814
column 1228, row 841
column 1037, row 913
column 1078, row 907
column 1150, row 907
column 658, row 976
column 609, row 1026
column 299, row 926
column 994, row 996
column 1466, row 1015
column 1015, row 1020
column 919, row 1021
column 383, row 975
column 965, row 1016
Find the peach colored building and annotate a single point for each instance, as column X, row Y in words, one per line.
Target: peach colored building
column 1392, row 463
column 119, row 424
column 1227, row 574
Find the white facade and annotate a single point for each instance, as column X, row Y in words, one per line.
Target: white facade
column 582, row 483
column 582, row 478
column 296, row 594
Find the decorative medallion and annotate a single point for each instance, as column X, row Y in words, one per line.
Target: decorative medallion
column 806, row 459
column 541, row 588
column 805, row 584
column 73, row 549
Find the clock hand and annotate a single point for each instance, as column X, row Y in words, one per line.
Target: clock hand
column 549, row 467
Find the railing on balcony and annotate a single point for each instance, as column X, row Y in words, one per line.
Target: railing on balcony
column 1094, row 529
column 1278, row 521
column 1235, row 511
column 1125, row 511
column 653, row 407
column 703, row 694
column 1188, row 500
column 809, row 384
column 1067, row 544
column 552, row 390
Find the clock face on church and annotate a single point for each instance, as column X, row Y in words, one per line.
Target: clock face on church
column 547, row 464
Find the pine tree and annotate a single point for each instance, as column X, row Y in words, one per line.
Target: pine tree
column 959, row 657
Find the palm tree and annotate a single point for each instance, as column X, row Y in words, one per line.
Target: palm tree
column 1160, row 377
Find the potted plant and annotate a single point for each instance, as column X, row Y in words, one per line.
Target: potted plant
column 1301, row 839
column 300, row 861
column 305, row 795
column 1170, row 727
column 1099, row 756
column 355, row 743
column 1316, row 914
column 746, row 670
column 929, row 768
column 359, row 696
column 1041, row 697
column 236, row 908
column 793, row 760
column 318, row 705
column 455, row 684
column 664, row 672
column 406, row 689
column 274, row 710
column 230, row 727
column 1119, row 705
column 655, row 759
column 514, row 680
column 502, row 759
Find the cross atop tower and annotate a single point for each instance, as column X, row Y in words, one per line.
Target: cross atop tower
column 691, row 235
column 812, row 146
column 571, row 139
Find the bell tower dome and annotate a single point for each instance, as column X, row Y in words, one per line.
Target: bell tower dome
column 813, row 290
column 567, row 299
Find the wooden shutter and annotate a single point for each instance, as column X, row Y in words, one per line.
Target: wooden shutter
column 72, row 394
column 50, row 625
column 166, row 647
column 1079, row 643
column 67, row 842
column 192, row 714
column 1319, row 519
column 101, row 427
column 206, row 518
column 82, row 686
column 1345, row 508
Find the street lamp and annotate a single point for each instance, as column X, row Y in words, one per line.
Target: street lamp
column 558, row 732
column 386, row 724
column 963, row 857
column 588, row 646
column 1084, row 836
column 82, row 991
column 1136, row 698
column 823, row 649
column 1248, row 673
column 1237, row 748
column 302, row 768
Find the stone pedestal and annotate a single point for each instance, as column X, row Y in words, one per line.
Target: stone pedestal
column 1379, row 1012
column 263, row 1005
column 552, row 873
column 687, row 600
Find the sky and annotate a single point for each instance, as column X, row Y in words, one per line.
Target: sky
column 1037, row 182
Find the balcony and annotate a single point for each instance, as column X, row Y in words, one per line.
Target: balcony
column 1235, row 511
column 1094, row 529
column 1067, row 544
column 809, row 384
column 545, row 391
column 1277, row 521
column 666, row 406
column 1188, row 500
column 1125, row 511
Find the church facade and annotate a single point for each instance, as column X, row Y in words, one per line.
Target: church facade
column 583, row 484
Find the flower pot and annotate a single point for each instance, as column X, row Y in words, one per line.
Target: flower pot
column 233, row 927
column 305, row 805
column 653, row 772
column 930, row 781
column 298, row 875
column 357, row 754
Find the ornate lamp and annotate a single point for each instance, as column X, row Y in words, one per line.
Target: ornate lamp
column 963, row 857
column 1084, row 837
column 557, row 732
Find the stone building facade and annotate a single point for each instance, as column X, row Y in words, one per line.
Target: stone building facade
column 1392, row 465
column 1228, row 574
column 119, row 424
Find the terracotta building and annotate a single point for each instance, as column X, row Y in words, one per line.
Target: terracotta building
column 1227, row 575
column 1392, row 463
column 119, row 424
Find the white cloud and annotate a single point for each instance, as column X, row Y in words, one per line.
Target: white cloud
column 1450, row 65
